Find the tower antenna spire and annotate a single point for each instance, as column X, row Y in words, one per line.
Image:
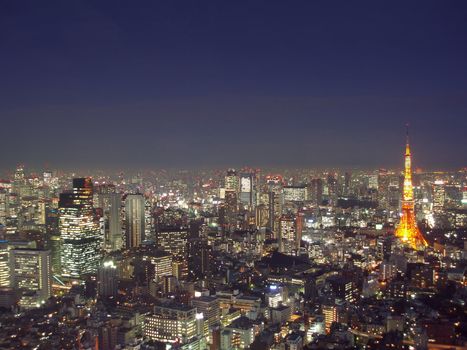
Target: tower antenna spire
column 407, row 132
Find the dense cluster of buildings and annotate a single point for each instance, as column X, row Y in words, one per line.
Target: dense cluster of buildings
column 235, row 259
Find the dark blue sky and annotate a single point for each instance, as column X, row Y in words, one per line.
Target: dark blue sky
column 125, row 84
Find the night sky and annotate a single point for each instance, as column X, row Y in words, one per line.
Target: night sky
column 150, row 84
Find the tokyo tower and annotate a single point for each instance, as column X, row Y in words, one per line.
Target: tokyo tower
column 407, row 229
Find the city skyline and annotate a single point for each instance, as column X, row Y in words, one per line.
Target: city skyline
column 233, row 175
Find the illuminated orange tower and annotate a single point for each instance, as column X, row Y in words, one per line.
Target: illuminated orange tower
column 407, row 230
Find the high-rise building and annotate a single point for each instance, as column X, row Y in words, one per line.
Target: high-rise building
column 439, row 195
column 276, row 201
column 231, row 209
column 173, row 239
column 231, row 181
column 330, row 315
column 407, row 229
column 210, row 308
column 4, row 264
column 347, row 183
column 383, row 188
column 110, row 202
column 79, row 230
column 289, row 240
column 134, row 220
column 332, row 187
column 248, row 190
column 373, row 181
column 295, row 193
column 344, row 288
column 31, row 273
column 107, row 279
column 200, row 255
column 4, row 205
column 162, row 263
column 315, row 191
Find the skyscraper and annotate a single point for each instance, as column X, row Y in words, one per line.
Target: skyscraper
column 31, row 274
column 276, row 201
column 110, row 203
column 289, row 240
column 248, row 190
column 107, row 279
column 79, row 230
column 134, row 220
column 231, row 180
column 439, row 195
column 408, row 230
column 4, row 264
column 173, row 239
column 315, row 191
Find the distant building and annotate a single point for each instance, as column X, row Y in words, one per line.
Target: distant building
column 295, row 193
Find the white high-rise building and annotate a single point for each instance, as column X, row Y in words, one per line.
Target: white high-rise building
column 134, row 220
column 4, row 265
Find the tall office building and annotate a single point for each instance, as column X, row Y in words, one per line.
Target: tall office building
column 134, row 220
column 330, row 315
column 31, row 273
column 295, row 193
column 231, row 209
column 276, row 199
column 248, row 190
column 347, row 183
column 439, row 195
column 162, row 264
column 200, row 254
column 173, row 239
column 383, row 188
column 291, row 227
column 315, row 191
column 4, row 264
column 231, row 181
column 79, row 230
column 4, row 205
column 289, row 240
column 210, row 308
column 110, row 202
column 115, row 222
column 332, row 187
column 107, row 279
